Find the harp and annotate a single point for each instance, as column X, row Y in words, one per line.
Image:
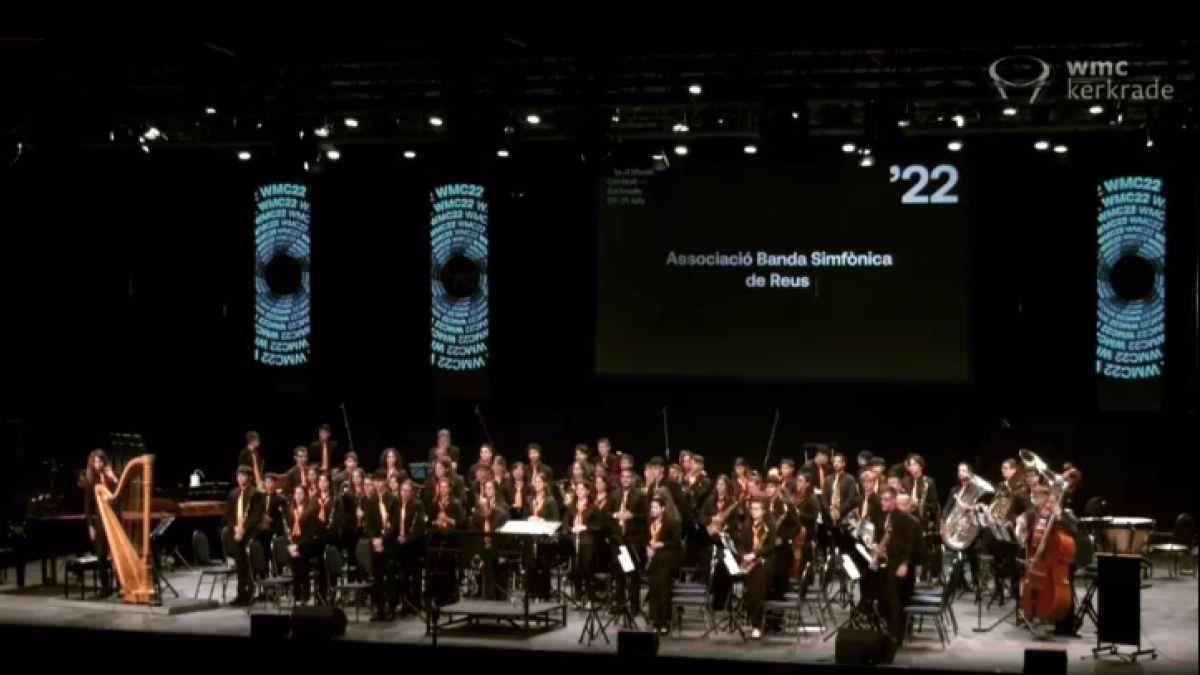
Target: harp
column 125, row 513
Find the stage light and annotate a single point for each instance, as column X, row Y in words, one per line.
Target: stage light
column 1042, row 145
column 352, row 122
column 321, row 132
column 795, row 114
column 681, row 150
column 1009, row 111
column 1120, row 118
column 695, row 90
column 616, row 118
column 210, row 111
column 1060, row 149
column 502, row 153
column 306, row 166
column 410, row 154
column 333, row 155
column 751, row 149
column 959, row 121
column 903, row 123
column 1096, row 109
column 849, row 147
column 112, row 136
column 244, row 155
column 533, row 119
column 954, row 146
column 1149, row 142
column 436, row 121
column 260, row 125
column 145, row 148
column 153, row 134
column 865, row 151
column 867, row 160
column 681, row 128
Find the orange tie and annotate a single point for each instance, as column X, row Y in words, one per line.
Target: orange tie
column 624, row 500
column 241, row 509
column 519, row 501
column 325, row 456
column 324, row 503
column 257, row 471
column 303, row 477
column 296, row 523
column 403, row 519
column 383, row 513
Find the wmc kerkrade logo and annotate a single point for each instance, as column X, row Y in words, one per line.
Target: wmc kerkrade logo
column 1023, row 77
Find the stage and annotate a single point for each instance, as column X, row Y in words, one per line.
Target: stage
column 1169, row 622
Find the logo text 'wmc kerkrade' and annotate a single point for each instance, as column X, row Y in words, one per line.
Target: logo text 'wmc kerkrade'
column 1017, row 76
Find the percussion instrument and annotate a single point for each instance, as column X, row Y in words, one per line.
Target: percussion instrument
column 1126, row 536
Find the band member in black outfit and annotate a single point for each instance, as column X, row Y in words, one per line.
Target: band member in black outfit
column 443, row 468
column 300, row 522
column 298, row 474
column 841, row 492
column 243, row 514
column 964, row 484
column 818, row 469
column 445, row 445
column 542, row 507
column 866, row 501
column 601, row 496
column 381, row 514
column 98, row 473
column 808, row 508
column 252, row 457
column 757, row 555
column 1044, row 506
column 896, row 542
column 519, row 492
column 722, row 513
column 271, row 525
column 409, row 557
column 324, row 449
column 924, row 492
column 663, row 552
column 328, row 532
column 583, row 522
column 343, row 476
column 920, row 554
column 486, row 457
column 630, row 509
column 446, row 515
column 489, row 515
column 786, row 524
column 607, row 458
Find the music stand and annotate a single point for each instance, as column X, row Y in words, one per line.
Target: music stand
column 731, row 622
column 627, row 564
column 156, row 546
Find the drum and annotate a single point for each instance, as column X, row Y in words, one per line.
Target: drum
column 1127, row 536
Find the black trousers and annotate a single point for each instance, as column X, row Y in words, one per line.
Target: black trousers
column 758, row 583
column 409, row 568
column 241, row 561
column 104, row 567
column 663, row 567
column 302, row 574
column 585, row 576
column 628, row 587
column 382, row 579
column 781, row 570
column 543, row 564
column 891, row 593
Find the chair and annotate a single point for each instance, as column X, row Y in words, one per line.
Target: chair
column 1182, row 540
column 271, row 589
column 690, row 595
column 338, row 589
column 208, row 569
column 938, row 613
column 78, row 569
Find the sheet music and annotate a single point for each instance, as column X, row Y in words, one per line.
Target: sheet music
column 863, row 550
column 731, row 563
column 538, row 528
column 626, row 560
column 849, row 566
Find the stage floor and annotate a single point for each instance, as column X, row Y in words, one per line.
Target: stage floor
column 1169, row 621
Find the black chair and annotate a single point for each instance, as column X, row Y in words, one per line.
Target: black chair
column 940, row 612
column 1182, row 540
column 214, row 571
column 270, row 588
column 339, row 584
column 77, row 569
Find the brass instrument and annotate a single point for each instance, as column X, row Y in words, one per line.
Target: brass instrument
column 835, row 502
column 1001, row 507
column 961, row 525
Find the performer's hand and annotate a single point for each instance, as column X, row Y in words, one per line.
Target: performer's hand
column 902, row 571
column 92, row 532
column 579, row 528
column 294, row 550
column 749, row 557
column 239, row 532
column 377, row 544
column 403, row 540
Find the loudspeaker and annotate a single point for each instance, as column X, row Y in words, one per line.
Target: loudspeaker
column 862, row 648
column 632, row 643
column 1046, row 661
column 318, row 623
column 270, row 626
column 1119, row 599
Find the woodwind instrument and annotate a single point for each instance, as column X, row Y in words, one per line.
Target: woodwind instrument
column 880, row 558
column 718, row 522
column 655, row 535
column 759, row 533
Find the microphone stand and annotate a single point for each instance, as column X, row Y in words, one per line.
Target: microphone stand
column 346, row 422
column 483, row 424
column 666, row 435
column 771, row 441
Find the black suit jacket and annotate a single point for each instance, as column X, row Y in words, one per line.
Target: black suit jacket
column 246, row 459
column 930, row 507
column 844, row 485
column 273, row 506
column 291, row 479
column 784, row 519
column 639, row 511
column 410, row 519
column 252, row 503
column 593, row 520
column 309, row 525
column 732, row 521
column 902, row 546
column 745, row 541
column 454, row 511
column 550, row 509
column 331, row 529
column 373, row 522
column 806, row 514
column 698, row 493
column 453, row 451
column 314, row 454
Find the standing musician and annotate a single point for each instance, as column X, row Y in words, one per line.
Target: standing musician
column 353, row 495
column 818, row 468
column 627, row 462
column 300, row 522
column 298, row 474
column 787, row 474
column 324, row 447
column 486, row 456
column 866, row 503
column 920, row 556
column 894, row 552
column 630, row 510
column 381, row 513
column 807, row 508
column 392, row 464
column 662, row 553
column 328, row 530
column 721, row 513
column 964, row 483
column 607, row 458
column 741, row 480
column 543, row 508
column 786, row 527
column 445, row 445
column 842, row 489
column 925, row 506
column 1037, row 519
column 410, row 526
column 341, row 477
column 100, row 473
column 243, row 513
column 251, row 457
column 535, row 463
column 271, row 525
column 757, row 544
column 519, row 493
column 446, row 513
column 696, row 483
column 584, row 522
column 1014, row 492
column 490, row 514
column 602, row 494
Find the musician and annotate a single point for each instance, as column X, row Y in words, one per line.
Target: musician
column 543, row 507
column 411, row 532
column 445, row 445
column 584, row 523
column 922, row 489
column 519, row 491
column 381, row 514
column 920, row 558
column 662, row 552
column 741, row 480
column 842, row 489
column 271, row 526
column 1074, row 478
column 99, row 472
column 504, row 480
column 785, row 523
column 583, row 456
column 697, row 485
column 446, row 513
column 324, row 447
column 628, row 462
column 655, row 481
column 1037, row 519
column 961, row 491
column 787, row 476
column 300, row 522
column 818, row 468
column 866, row 502
column 894, row 554
column 443, row 469
column 864, row 459
column 722, row 512
column 313, row 475
column 607, row 458
column 807, row 508
column 353, row 496
column 298, row 474
column 675, row 473
column 601, row 495
column 243, row 514
column 328, row 530
column 536, row 466
column 490, row 514
column 251, row 457
column 757, row 553
column 349, row 465
column 482, row 475
column 1005, row 555
column 392, row 464
column 486, row 457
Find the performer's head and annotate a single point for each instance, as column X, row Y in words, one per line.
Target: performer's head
column 583, row 492
column 740, row 468
column 1008, row 469
column 300, row 454
column 535, row 453
column 379, row 482
column 964, row 473
column 489, row 492
column 1073, row 478
column 324, row 484
column 1033, row 479
column 350, row 461
column 839, row 462
column 698, row 464
column 582, row 453
column 324, row 433
column 443, row 439
column 579, row 472
column 626, row 479
column 803, row 483
column 822, row 457
column 1042, row 497
column 658, row 506
column 406, row 491
column 675, row 473
column 486, row 455
column 887, row 498
column 894, row 483
column 519, row 473
column 539, row 482
column 499, row 467
column 390, row 459
column 916, row 465
column 772, row 488
column 904, row 502
column 757, row 508
column 358, row 480
column 393, row 482
column 864, row 459
column 787, row 469
column 483, row 474
column 442, row 469
column 252, row 440
column 721, row 487
column 600, row 484
column 245, row 476
column 299, row 497
column 444, row 492
column 654, row 469
column 866, row 479
column 271, row 483
column 604, row 447
column 627, row 462
column 97, row 462
column 312, row 475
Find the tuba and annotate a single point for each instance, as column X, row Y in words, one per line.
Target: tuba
column 1001, row 506
column 962, row 523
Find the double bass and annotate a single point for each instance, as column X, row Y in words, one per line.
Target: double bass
column 1046, row 593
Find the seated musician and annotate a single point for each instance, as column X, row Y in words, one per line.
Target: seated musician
column 486, row 457
column 895, row 543
column 99, row 472
column 663, row 553
column 628, row 462
column 607, row 458
column 410, row 556
column 960, row 491
column 340, row 477
column 543, row 507
column 445, row 446
column 252, row 457
column 243, row 513
column 300, row 522
column 757, row 549
column 536, row 465
column 1037, row 518
column 443, row 469
column 630, row 510
column 490, row 514
column 380, row 515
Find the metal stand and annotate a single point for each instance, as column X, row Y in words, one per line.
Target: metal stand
column 160, row 581
column 593, row 626
column 619, row 612
column 865, row 615
column 1131, row 657
column 1019, row 620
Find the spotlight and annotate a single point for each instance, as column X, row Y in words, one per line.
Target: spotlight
column 1096, row 109
column 112, row 136
column 502, row 153
column 751, row 149
column 849, row 147
column 436, row 121
column 410, row 154
column 903, row 123
column 795, row 114
column 244, row 155
column 1149, row 142
column 321, row 132
column 681, row 150
column 616, row 118
column 306, row 166
column 959, row 121
column 695, row 90
column 153, row 134
column 352, row 122
column 333, row 155
column 145, row 148
column 867, row 160
column 1120, row 118
column 1060, row 149
column 954, row 146
column 1042, row 145
column 210, row 111
column 260, row 125
column 1009, row 111
column 533, row 119
column 681, row 128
